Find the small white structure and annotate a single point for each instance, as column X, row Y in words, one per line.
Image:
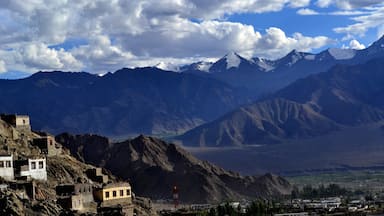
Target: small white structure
column 6, row 167
column 34, row 169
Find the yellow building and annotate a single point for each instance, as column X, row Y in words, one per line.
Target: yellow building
column 119, row 192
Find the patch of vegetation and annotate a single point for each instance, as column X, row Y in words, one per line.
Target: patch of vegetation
column 363, row 180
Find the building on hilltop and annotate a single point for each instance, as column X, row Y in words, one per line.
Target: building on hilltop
column 114, row 192
column 31, row 169
column 6, row 167
column 115, row 195
column 48, row 145
column 18, row 121
column 74, row 196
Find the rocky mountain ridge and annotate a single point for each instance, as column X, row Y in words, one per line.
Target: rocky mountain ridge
column 153, row 167
column 262, row 76
column 127, row 102
column 322, row 103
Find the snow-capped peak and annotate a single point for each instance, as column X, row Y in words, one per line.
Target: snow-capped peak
column 167, row 66
column 233, row 60
column 341, row 54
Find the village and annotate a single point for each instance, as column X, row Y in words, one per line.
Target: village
column 98, row 194
column 19, row 173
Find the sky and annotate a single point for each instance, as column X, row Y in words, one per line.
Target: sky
column 99, row 36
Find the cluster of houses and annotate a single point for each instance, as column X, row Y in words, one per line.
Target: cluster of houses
column 98, row 194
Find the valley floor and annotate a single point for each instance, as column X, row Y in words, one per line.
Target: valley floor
column 348, row 149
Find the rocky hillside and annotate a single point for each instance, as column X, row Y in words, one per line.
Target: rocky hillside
column 129, row 101
column 343, row 96
column 264, row 122
column 153, row 167
column 61, row 169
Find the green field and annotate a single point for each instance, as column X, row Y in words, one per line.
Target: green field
column 365, row 180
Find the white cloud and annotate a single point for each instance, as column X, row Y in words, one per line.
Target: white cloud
column 374, row 19
column 101, row 55
column 277, row 43
column 354, row 44
column 41, row 57
column 348, row 4
column 121, row 33
column 307, row 11
column 299, row 3
column 38, row 56
column 2, row 67
column 348, row 13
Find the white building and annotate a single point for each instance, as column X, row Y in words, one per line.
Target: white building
column 6, row 167
column 34, row 169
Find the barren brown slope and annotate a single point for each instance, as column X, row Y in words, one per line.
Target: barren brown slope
column 154, row 167
column 264, row 122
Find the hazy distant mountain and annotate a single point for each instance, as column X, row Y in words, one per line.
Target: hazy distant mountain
column 153, row 167
column 129, row 101
column 345, row 95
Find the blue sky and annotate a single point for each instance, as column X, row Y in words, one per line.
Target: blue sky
column 104, row 35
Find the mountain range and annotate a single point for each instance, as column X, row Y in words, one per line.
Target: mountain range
column 154, row 167
column 262, row 76
column 129, row 101
column 153, row 101
column 319, row 104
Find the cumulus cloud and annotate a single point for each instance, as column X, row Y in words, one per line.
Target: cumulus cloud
column 299, row 3
column 277, row 43
column 101, row 55
column 306, row 12
column 38, row 56
column 135, row 33
column 348, row 4
column 354, row 44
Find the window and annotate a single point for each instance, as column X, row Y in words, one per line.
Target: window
column 33, row 165
column 41, row 164
column 8, row 164
column 128, row 192
column 1, row 164
column 23, row 121
column 50, row 142
column 107, row 194
column 114, row 194
column 121, row 193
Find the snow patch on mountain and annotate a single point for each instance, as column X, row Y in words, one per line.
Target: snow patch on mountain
column 167, row 66
column 294, row 59
column 310, row 57
column 233, row 60
column 264, row 64
column 203, row 66
column 341, row 54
